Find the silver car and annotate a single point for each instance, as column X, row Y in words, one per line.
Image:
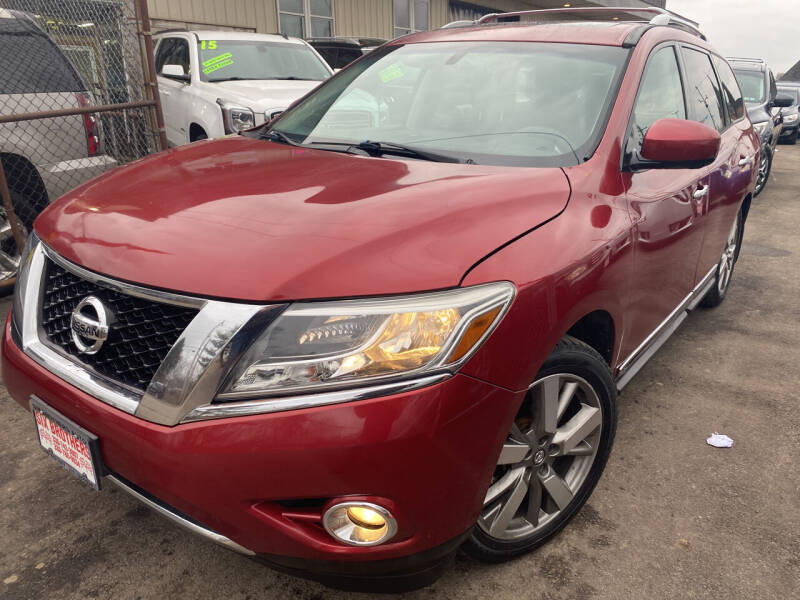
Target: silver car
column 43, row 158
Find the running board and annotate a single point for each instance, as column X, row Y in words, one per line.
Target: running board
column 639, row 357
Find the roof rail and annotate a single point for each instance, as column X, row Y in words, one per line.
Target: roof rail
column 662, row 16
column 172, row 30
column 760, row 61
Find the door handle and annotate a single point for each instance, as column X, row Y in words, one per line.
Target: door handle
column 747, row 160
column 702, row 191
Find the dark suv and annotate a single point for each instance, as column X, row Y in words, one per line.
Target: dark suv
column 761, row 97
column 790, row 114
column 339, row 52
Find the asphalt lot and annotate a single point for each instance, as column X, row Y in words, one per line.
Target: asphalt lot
column 671, row 518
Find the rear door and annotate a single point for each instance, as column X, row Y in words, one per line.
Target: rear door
column 705, row 104
column 665, row 204
column 730, row 180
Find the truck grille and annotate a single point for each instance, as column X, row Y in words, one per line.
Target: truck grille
column 142, row 332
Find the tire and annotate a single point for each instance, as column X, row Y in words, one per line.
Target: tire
column 764, row 169
column 724, row 274
column 531, row 464
column 199, row 135
column 26, row 209
column 793, row 138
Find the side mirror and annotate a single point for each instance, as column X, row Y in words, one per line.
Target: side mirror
column 782, row 101
column 677, row 144
column 174, row 72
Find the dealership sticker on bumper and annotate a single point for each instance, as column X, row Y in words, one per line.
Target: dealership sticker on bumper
column 72, row 446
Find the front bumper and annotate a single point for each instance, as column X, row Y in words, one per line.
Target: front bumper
column 263, row 481
column 789, row 130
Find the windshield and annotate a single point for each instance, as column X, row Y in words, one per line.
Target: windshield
column 223, row 60
column 502, row 103
column 752, row 84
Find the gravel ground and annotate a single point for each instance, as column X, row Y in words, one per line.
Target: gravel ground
column 671, row 517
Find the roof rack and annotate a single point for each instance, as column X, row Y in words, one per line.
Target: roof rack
column 662, row 17
column 759, row 61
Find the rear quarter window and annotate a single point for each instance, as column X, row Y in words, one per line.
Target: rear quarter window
column 31, row 63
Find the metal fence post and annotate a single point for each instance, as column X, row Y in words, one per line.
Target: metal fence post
column 143, row 16
column 11, row 216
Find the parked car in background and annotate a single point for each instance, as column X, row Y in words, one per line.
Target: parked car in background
column 790, row 114
column 42, row 159
column 761, row 96
column 341, row 51
column 213, row 83
column 350, row 346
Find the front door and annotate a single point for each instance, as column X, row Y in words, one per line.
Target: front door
column 173, row 51
column 666, row 207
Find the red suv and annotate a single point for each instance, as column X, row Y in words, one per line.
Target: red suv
column 394, row 321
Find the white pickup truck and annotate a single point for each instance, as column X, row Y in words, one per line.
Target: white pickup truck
column 213, row 83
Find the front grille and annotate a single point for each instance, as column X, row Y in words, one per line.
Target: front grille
column 140, row 335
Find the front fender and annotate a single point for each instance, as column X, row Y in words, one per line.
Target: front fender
column 576, row 264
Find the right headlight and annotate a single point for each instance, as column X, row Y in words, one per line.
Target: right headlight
column 762, row 127
column 313, row 346
column 236, row 118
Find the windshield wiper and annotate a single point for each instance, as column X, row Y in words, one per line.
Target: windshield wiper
column 292, row 79
column 276, row 136
column 382, row 148
column 232, row 79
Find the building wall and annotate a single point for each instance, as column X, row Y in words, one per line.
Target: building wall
column 363, row 18
column 355, row 18
column 248, row 15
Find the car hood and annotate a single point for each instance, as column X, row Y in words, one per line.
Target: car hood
column 253, row 220
column 264, row 95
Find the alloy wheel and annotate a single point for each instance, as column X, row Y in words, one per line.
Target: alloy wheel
column 728, row 259
column 545, row 460
column 9, row 253
column 763, row 173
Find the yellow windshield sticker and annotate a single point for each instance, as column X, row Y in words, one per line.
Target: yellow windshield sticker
column 218, row 62
column 391, row 72
column 208, row 45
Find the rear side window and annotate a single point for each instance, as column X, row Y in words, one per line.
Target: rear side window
column 32, row 63
column 703, row 91
column 660, row 93
column 731, row 93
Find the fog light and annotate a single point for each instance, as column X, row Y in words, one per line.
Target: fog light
column 359, row 523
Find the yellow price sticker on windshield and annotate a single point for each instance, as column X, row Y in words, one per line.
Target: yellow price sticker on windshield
column 218, row 62
column 391, row 72
column 208, row 45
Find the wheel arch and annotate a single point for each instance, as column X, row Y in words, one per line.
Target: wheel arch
column 194, row 129
column 23, row 177
column 596, row 329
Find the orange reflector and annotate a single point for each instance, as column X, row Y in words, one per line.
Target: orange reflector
column 473, row 333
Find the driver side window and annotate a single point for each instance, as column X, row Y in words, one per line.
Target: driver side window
column 660, row 93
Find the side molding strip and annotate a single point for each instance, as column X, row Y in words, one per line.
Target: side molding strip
column 639, row 357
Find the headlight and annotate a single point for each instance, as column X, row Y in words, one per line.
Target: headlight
column 762, row 127
column 22, row 279
column 791, row 118
column 236, row 118
column 320, row 345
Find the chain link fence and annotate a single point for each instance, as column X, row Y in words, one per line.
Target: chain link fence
column 76, row 98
